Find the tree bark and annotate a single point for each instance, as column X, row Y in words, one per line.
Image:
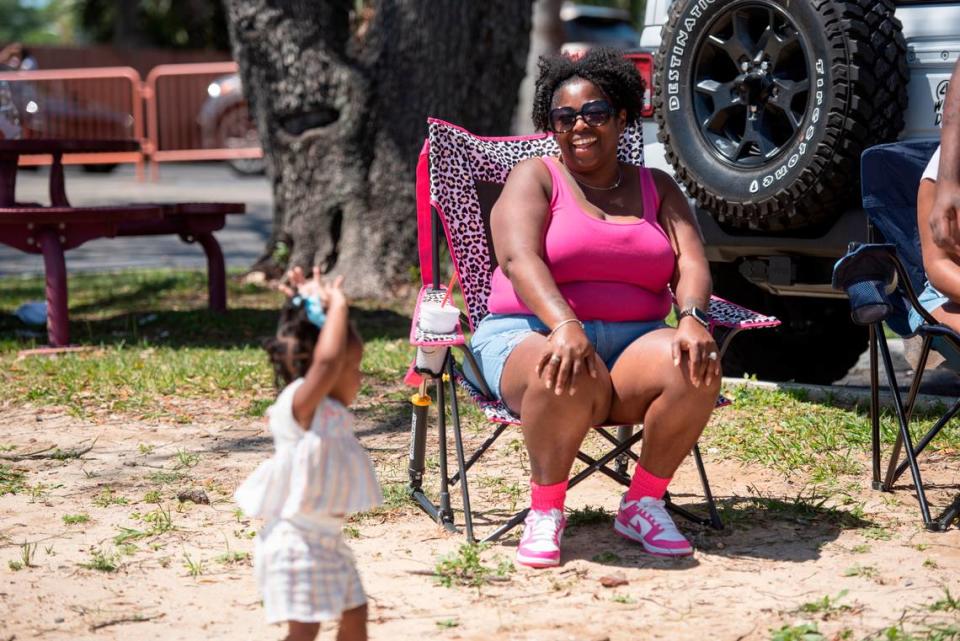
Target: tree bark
column 546, row 38
column 342, row 118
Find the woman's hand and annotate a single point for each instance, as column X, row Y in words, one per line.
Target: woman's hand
column 944, row 217
column 703, row 356
column 564, row 356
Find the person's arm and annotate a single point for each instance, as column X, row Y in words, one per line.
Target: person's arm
column 12, row 50
column 941, row 268
column 691, row 282
column 517, row 226
column 943, row 219
column 330, row 350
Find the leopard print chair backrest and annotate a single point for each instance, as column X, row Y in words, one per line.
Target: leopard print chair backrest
column 467, row 173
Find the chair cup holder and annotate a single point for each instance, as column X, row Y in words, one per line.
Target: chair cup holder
column 431, row 358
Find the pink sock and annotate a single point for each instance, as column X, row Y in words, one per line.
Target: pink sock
column 646, row 484
column 547, row 497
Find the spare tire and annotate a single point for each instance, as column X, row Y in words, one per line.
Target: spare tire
column 765, row 106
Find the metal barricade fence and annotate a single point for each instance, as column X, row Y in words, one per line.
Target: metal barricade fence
column 197, row 112
column 98, row 103
column 181, row 113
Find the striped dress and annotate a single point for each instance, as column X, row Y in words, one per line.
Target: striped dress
column 304, row 570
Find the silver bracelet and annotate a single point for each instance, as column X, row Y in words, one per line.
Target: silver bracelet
column 561, row 324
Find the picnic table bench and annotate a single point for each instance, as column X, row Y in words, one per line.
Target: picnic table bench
column 52, row 230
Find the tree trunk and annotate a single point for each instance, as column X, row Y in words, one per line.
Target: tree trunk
column 342, row 118
column 546, row 38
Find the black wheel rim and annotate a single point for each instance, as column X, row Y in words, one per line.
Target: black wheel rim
column 751, row 84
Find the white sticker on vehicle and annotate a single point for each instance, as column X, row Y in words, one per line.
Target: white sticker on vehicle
column 939, row 97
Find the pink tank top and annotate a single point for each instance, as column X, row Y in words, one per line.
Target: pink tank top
column 606, row 271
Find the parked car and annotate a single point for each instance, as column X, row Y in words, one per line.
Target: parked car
column 225, row 123
column 586, row 26
column 762, row 111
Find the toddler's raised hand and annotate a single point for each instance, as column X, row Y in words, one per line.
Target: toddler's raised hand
column 331, row 293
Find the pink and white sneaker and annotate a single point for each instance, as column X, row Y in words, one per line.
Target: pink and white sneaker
column 540, row 543
column 647, row 522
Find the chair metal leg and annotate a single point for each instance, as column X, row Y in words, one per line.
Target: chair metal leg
column 929, row 436
column 418, row 436
column 904, row 428
column 948, row 516
column 715, row 521
column 623, row 433
column 458, row 445
column 480, row 451
column 446, row 512
column 617, row 440
column 875, row 406
column 891, row 476
column 514, row 521
column 418, row 445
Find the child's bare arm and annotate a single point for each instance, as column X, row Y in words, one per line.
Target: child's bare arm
column 328, row 355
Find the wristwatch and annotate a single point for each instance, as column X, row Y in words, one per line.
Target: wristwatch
column 697, row 314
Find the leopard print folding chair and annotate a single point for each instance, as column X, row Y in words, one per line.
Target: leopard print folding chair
column 459, row 177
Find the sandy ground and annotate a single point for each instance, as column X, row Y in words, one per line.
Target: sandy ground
column 871, row 558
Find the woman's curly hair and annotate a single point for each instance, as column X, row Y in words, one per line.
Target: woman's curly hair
column 613, row 74
column 290, row 351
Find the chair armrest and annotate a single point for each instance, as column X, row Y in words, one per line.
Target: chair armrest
column 418, row 336
column 723, row 313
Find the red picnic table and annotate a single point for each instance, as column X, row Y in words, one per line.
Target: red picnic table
column 52, row 230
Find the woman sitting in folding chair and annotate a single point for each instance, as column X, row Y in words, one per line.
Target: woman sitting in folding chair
column 588, row 251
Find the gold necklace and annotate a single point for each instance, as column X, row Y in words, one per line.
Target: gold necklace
column 589, row 186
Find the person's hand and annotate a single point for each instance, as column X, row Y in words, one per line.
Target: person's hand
column 703, row 357
column 943, row 217
column 11, row 53
column 564, row 356
column 329, row 293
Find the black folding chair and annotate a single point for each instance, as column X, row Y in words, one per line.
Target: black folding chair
column 882, row 280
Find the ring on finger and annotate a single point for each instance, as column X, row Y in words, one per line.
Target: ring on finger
column 555, row 358
column 713, row 356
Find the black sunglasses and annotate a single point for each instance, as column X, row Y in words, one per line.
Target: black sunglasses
column 595, row 114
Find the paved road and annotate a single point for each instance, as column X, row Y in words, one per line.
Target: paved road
column 242, row 240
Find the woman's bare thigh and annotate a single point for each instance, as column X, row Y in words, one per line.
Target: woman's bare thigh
column 641, row 373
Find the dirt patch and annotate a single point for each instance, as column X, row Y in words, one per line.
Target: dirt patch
column 106, row 550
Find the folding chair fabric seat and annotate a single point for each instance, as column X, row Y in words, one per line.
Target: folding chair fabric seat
column 882, row 280
column 458, row 179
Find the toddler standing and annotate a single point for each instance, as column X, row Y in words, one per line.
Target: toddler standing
column 319, row 472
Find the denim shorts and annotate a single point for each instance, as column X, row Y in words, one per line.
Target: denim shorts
column 931, row 300
column 497, row 335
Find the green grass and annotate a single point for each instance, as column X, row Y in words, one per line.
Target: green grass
column 784, row 431
column 158, row 522
column 811, row 504
column 588, row 515
column 802, row 632
column 156, row 347
column 102, row 561
column 465, row 567
column 825, row 606
column 108, row 497
column 75, row 519
column 11, row 480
